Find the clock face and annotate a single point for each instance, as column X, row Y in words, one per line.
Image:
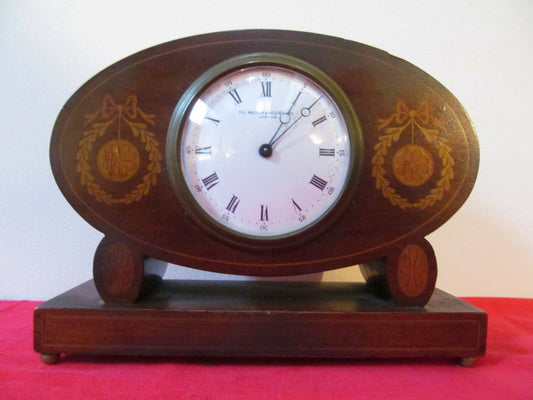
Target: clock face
column 264, row 149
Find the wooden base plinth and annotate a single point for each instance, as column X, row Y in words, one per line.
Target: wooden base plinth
column 258, row 319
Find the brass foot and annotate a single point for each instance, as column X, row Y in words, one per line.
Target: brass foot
column 50, row 359
column 466, row 362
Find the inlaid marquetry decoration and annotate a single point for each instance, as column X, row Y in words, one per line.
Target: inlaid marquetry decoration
column 119, row 272
column 120, row 157
column 413, row 270
column 412, row 134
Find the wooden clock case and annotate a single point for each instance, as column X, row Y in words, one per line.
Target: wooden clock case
column 419, row 165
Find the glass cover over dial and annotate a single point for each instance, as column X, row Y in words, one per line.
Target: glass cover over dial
column 265, row 150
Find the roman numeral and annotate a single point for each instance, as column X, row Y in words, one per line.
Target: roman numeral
column 318, row 182
column 213, row 120
column 210, row 181
column 319, row 121
column 264, row 213
column 235, row 96
column 233, row 203
column 266, row 88
column 326, row 152
column 203, row 150
column 296, row 207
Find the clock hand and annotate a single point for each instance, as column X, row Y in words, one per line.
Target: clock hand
column 266, row 149
column 285, row 118
column 304, row 112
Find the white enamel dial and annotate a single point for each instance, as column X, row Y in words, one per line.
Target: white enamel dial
column 265, row 152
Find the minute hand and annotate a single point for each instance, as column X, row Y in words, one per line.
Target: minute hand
column 304, row 112
column 282, row 118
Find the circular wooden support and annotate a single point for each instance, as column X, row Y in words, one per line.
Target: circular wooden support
column 118, row 272
column 50, row 359
column 407, row 275
column 412, row 274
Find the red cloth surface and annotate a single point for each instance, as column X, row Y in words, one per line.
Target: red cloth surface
column 506, row 372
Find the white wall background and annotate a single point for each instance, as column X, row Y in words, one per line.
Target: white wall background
column 480, row 50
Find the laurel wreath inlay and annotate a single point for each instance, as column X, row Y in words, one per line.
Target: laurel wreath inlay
column 99, row 122
column 415, row 122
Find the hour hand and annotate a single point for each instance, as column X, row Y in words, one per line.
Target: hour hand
column 266, row 149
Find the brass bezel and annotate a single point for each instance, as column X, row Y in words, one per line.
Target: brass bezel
column 173, row 157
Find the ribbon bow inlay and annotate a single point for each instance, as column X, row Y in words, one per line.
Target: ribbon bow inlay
column 109, row 107
column 420, row 115
column 129, row 110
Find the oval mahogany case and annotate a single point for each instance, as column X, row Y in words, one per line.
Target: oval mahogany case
column 420, row 160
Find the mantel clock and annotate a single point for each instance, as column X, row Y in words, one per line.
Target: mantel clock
column 265, row 153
